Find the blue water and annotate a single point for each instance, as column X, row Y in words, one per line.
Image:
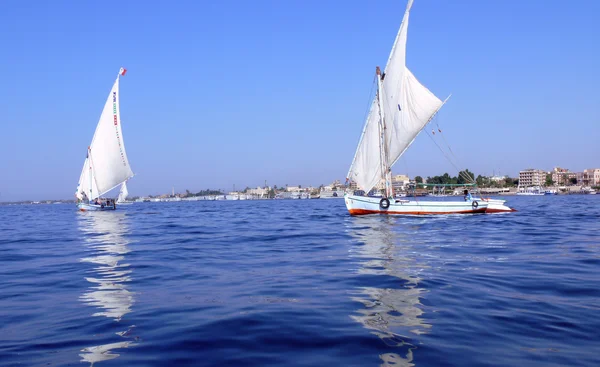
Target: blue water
column 300, row 283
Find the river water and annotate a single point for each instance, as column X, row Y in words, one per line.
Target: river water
column 300, row 283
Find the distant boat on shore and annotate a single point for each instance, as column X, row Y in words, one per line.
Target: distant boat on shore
column 331, row 194
column 531, row 191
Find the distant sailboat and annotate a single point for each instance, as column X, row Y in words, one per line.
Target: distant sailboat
column 123, row 193
column 106, row 165
column 401, row 109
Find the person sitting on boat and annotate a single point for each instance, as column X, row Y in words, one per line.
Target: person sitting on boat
column 84, row 197
column 467, row 195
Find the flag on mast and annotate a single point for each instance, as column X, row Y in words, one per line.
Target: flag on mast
column 122, row 71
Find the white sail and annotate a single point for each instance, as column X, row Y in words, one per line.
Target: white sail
column 408, row 107
column 417, row 106
column 123, row 193
column 106, row 165
column 366, row 166
column 89, row 190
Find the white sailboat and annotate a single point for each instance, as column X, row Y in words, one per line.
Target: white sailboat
column 401, row 108
column 123, row 193
column 106, row 165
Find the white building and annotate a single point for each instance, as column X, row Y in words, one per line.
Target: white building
column 259, row 191
column 532, row 177
column 400, row 181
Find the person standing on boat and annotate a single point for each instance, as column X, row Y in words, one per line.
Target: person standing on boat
column 467, row 195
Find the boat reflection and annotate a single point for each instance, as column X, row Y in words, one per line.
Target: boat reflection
column 393, row 313
column 106, row 243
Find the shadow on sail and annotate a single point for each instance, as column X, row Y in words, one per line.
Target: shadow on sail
column 106, row 243
column 394, row 312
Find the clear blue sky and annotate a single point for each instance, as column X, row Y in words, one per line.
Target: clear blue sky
column 238, row 92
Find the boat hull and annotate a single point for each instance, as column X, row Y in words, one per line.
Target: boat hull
column 94, row 208
column 496, row 205
column 362, row 205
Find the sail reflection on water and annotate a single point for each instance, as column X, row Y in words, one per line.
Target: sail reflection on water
column 106, row 244
column 393, row 313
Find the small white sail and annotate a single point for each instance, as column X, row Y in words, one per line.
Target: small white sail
column 90, row 192
column 408, row 107
column 123, row 193
column 366, row 166
column 106, row 165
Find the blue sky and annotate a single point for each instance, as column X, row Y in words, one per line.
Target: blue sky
column 238, row 92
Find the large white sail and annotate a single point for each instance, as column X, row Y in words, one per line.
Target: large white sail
column 106, row 165
column 408, row 107
column 417, row 106
column 123, row 193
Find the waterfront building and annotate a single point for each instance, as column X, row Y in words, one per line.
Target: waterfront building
column 591, row 177
column 532, row 177
column 259, row 191
column 559, row 176
column 399, row 182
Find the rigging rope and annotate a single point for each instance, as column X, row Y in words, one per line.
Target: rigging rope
column 444, row 138
column 462, row 174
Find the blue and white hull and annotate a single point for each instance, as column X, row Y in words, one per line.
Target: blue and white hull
column 84, row 207
column 361, row 205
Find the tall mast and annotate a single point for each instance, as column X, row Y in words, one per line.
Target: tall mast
column 383, row 148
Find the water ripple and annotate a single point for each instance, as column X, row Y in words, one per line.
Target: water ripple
column 299, row 282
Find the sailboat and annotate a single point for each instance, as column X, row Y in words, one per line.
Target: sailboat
column 122, row 198
column 106, row 165
column 402, row 107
